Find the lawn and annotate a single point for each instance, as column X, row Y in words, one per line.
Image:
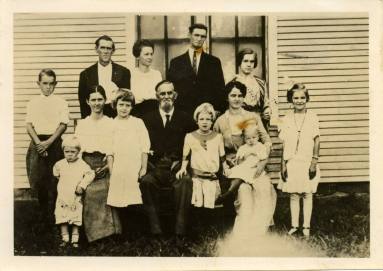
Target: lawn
column 340, row 228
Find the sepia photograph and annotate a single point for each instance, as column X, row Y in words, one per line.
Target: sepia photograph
column 191, row 134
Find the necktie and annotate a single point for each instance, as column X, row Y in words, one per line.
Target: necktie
column 167, row 120
column 195, row 62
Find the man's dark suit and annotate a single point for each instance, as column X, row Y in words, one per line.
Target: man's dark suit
column 167, row 145
column 89, row 79
column 192, row 89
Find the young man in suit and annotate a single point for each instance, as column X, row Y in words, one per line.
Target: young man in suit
column 197, row 76
column 167, row 127
column 106, row 73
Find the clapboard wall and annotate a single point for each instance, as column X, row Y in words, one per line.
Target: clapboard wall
column 65, row 43
column 329, row 54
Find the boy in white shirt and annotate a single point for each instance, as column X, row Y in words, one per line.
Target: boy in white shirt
column 46, row 120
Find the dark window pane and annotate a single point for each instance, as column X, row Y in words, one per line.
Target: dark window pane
column 224, row 50
column 177, row 48
column 152, row 27
column 178, row 26
column 222, row 26
column 250, row 26
column 159, row 57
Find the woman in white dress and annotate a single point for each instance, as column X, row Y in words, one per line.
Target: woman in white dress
column 130, row 148
column 144, row 79
column 94, row 133
column 250, row 203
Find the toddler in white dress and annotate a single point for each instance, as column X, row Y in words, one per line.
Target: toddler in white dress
column 74, row 176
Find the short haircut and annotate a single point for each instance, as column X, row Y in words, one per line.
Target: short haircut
column 295, row 87
column 204, row 108
column 96, row 89
column 71, row 141
column 246, row 51
column 125, row 95
column 162, row 83
column 47, row 72
column 105, row 37
column 198, row 26
column 235, row 84
column 251, row 128
column 139, row 44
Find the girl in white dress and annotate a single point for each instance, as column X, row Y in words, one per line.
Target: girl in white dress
column 300, row 173
column 207, row 152
column 130, row 148
column 74, row 176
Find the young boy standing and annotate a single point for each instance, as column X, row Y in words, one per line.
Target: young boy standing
column 46, row 120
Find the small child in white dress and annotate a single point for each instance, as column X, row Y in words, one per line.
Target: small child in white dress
column 74, row 176
column 207, row 152
column 248, row 156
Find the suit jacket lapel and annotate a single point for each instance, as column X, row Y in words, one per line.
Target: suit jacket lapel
column 94, row 74
column 201, row 63
column 188, row 63
column 114, row 72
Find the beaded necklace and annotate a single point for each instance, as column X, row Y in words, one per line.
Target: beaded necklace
column 299, row 130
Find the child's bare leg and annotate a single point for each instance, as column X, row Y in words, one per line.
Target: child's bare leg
column 75, row 235
column 64, row 233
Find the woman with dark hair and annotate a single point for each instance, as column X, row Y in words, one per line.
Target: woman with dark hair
column 256, row 99
column 144, row 78
column 94, row 133
column 253, row 202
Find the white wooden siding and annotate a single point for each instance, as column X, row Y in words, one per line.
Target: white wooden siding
column 65, row 43
column 330, row 56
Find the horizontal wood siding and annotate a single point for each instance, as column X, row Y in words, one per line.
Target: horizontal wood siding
column 330, row 56
column 65, row 43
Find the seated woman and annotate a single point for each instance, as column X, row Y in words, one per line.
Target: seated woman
column 231, row 125
column 256, row 99
column 144, row 79
column 94, row 133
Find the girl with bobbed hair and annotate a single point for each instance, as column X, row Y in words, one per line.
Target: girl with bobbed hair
column 256, row 98
column 144, row 78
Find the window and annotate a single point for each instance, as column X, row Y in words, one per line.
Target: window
column 227, row 34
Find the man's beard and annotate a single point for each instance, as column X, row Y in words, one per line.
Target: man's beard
column 166, row 105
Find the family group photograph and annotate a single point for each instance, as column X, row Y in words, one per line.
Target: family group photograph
column 191, row 135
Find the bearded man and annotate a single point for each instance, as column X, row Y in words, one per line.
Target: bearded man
column 167, row 128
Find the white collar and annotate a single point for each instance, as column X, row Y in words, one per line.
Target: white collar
column 108, row 66
column 163, row 113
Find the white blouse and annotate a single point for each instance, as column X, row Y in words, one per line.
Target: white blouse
column 95, row 135
column 143, row 84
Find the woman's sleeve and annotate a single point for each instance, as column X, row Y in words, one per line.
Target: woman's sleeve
column 282, row 129
column 216, row 126
column 143, row 137
column 88, row 177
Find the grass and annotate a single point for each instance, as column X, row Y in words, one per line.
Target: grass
column 340, row 228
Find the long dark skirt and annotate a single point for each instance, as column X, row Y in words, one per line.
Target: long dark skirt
column 100, row 220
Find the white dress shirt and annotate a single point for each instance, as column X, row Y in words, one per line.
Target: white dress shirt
column 105, row 80
column 163, row 115
column 191, row 52
column 45, row 113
